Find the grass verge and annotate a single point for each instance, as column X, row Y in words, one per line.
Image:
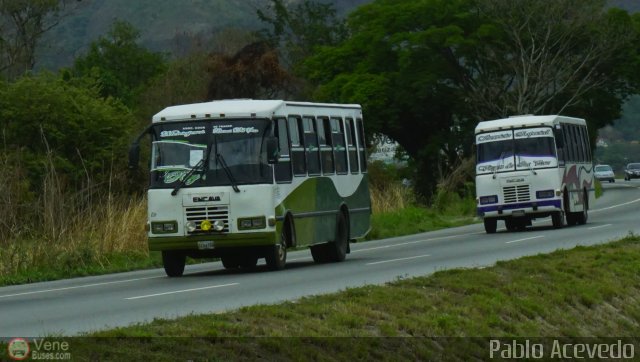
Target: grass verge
column 413, row 220
column 583, row 292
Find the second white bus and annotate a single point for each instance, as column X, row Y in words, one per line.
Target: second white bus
column 532, row 167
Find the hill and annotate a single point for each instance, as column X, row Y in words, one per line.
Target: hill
column 161, row 23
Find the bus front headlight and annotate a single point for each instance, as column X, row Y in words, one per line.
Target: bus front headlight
column 164, row 227
column 488, row 199
column 218, row 225
column 545, row 194
column 252, row 223
column 191, row 226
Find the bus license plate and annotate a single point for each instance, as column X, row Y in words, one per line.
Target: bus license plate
column 205, row 244
column 518, row 213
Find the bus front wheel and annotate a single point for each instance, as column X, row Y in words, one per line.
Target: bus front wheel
column 276, row 257
column 490, row 225
column 173, row 262
column 230, row 262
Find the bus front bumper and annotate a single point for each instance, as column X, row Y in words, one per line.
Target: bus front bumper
column 544, row 207
column 212, row 241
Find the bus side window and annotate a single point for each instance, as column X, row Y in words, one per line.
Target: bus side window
column 339, row 149
column 311, row 143
column 561, row 150
column 568, row 145
column 283, row 166
column 585, row 143
column 362, row 146
column 297, row 149
column 324, row 135
column 578, row 141
column 352, row 149
column 588, row 143
column 583, row 155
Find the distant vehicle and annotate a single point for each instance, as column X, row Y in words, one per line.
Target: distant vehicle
column 532, row 167
column 632, row 171
column 604, row 173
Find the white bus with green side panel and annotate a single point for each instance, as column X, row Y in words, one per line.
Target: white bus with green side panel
column 531, row 167
column 242, row 180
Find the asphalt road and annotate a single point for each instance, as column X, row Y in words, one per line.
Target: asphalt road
column 72, row 306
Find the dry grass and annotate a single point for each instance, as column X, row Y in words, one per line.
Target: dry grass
column 391, row 197
column 61, row 227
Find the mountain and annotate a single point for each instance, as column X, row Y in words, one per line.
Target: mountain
column 632, row 6
column 160, row 22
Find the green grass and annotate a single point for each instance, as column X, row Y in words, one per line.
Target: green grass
column 83, row 262
column 598, row 187
column 413, row 220
column 583, row 292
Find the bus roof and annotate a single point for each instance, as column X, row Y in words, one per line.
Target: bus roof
column 526, row 121
column 236, row 108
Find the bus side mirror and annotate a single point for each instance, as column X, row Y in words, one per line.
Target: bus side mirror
column 272, row 150
column 134, row 156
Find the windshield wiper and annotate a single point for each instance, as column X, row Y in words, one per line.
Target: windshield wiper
column 226, row 169
column 531, row 168
column 529, row 164
column 202, row 165
column 187, row 176
column 495, row 169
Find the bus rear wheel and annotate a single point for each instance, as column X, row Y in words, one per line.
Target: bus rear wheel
column 337, row 250
column 173, row 262
column 557, row 219
column 319, row 253
column 583, row 216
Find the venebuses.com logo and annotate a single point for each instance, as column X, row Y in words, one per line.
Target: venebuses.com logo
column 18, row 349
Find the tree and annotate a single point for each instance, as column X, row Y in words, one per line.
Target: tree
column 426, row 71
column 393, row 64
column 549, row 57
column 119, row 64
column 22, row 23
column 46, row 118
column 253, row 72
column 298, row 30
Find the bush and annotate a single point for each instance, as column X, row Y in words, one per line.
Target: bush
column 45, row 119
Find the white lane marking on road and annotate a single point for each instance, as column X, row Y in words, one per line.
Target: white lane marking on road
column 78, row 286
column 533, row 237
column 599, row 226
column 415, row 242
column 181, row 291
column 614, row 206
column 399, row 259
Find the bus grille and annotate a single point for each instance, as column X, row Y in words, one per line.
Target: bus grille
column 513, row 194
column 211, row 213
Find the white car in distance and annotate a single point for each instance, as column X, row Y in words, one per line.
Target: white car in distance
column 604, row 173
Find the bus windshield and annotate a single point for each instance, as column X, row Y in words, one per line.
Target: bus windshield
column 510, row 150
column 178, row 147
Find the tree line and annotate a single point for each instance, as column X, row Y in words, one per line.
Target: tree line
column 425, row 72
